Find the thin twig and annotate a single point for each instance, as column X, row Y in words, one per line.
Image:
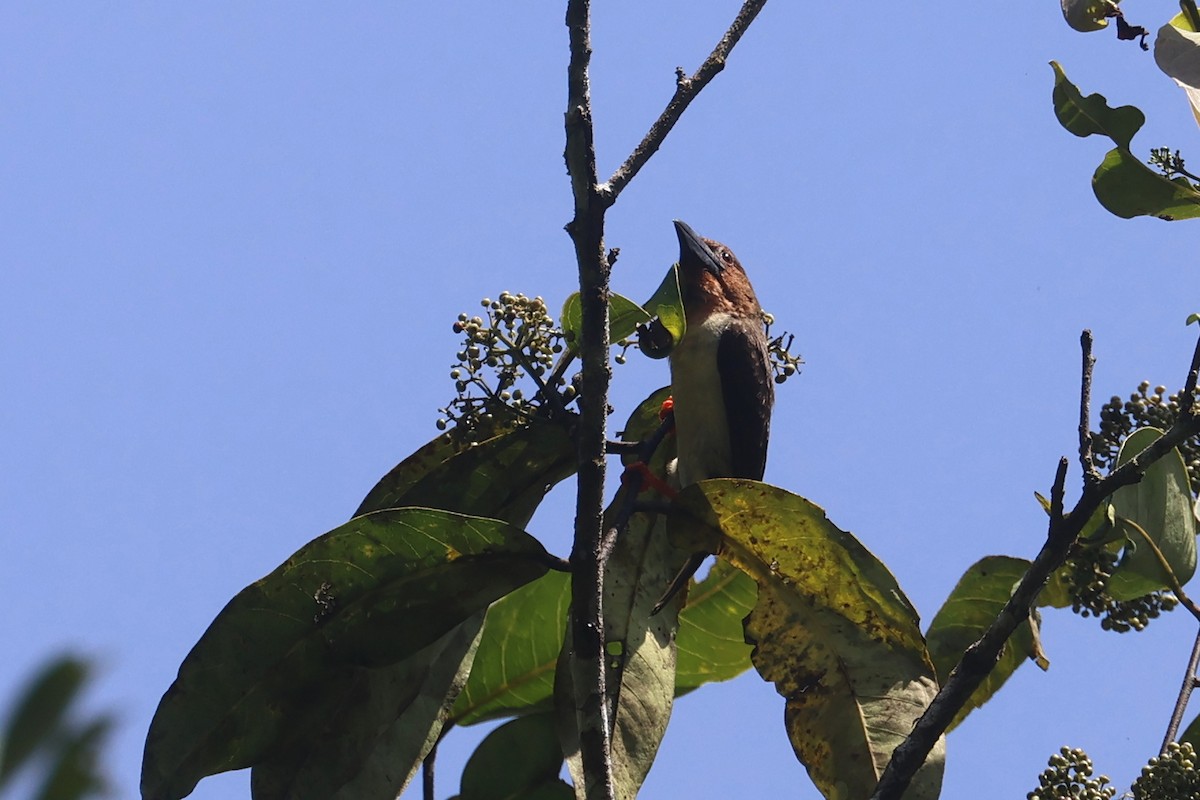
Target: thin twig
column 427, row 772
column 980, row 658
column 1185, row 694
column 686, row 90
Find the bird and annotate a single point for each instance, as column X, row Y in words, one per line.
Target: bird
column 722, row 384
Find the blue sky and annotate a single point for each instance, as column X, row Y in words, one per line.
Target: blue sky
column 234, row 237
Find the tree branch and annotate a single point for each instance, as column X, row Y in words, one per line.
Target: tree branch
column 427, row 772
column 1090, row 473
column 686, row 90
column 1185, row 694
column 980, row 658
column 587, row 581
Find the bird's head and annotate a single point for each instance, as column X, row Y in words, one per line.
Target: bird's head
column 711, row 278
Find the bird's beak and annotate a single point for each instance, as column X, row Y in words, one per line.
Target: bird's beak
column 693, row 252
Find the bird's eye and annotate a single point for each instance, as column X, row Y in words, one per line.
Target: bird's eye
column 726, row 257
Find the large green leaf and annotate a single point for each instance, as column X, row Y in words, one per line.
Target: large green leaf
column 514, row 666
column 1159, row 507
column 520, row 760
column 972, row 606
column 1122, row 183
column 711, row 645
column 831, row 629
column 389, row 718
column 367, row 594
column 39, row 712
column 505, row 476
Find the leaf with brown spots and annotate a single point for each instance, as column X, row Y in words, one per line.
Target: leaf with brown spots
column 831, row 629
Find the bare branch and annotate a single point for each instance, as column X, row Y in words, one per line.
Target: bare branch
column 980, row 658
column 427, row 767
column 1090, row 473
column 1185, row 694
column 686, row 90
column 587, row 233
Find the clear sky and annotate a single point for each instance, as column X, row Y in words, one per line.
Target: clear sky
column 233, row 237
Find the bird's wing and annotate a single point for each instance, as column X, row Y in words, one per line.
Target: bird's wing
column 749, row 392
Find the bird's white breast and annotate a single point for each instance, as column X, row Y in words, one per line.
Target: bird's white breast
column 701, row 427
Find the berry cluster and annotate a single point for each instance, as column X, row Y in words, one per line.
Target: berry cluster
column 783, row 361
column 1069, row 777
column 1170, row 164
column 1119, row 418
column 1087, row 572
column 1089, row 568
column 517, row 339
column 1169, row 776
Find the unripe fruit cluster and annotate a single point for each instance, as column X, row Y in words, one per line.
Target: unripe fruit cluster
column 516, row 338
column 1157, row 409
column 1169, row 776
column 1069, row 775
column 1088, row 570
column 783, row 361
column 1087, row 573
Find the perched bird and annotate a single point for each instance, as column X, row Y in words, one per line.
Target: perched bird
column 721, row 377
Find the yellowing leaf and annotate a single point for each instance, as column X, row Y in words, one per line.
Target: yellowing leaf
column 831, row 629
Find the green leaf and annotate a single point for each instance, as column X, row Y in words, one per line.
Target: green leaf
column 518, row 761
column 514, row 665
column 243, row 691
column 504, row 476
column 832, row 630
column 387, row 718
column 1087, row 15
column 39, row 712
column 1128, row 188
column 972, row 606
column 1085, row 116
column 624, row 316
column 1122, row 183
column 666, row 306
column 1177, row 53
column 514, row 668
column 1160, row 505
column 711, row 644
